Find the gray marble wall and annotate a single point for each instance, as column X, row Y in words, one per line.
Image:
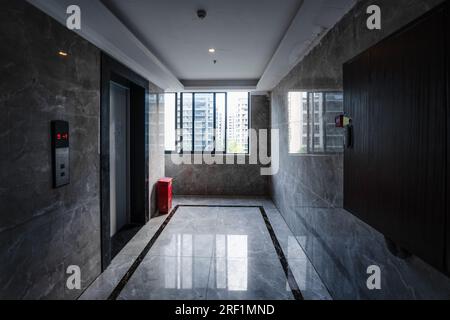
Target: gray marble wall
column 155, row 149
column 45, row 230
column 218, row 179
column 308, row 190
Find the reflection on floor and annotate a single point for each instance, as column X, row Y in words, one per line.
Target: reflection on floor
column 212, row 253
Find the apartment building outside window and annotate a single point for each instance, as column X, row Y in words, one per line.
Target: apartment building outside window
column 207, row 122
column 312, row 122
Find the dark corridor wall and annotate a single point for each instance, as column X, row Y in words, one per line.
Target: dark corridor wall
column 42, row 230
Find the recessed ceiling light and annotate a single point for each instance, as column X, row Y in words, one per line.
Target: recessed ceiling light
column 212, row 50
column 63, row 54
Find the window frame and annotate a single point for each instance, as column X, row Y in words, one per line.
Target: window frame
column 310, row 147
column 179, row 104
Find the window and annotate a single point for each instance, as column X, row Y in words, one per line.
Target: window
column 204, row 122
column 187, row 122
column 207, row 122
column 312, row 122
column 221, row 103
column 237, row 132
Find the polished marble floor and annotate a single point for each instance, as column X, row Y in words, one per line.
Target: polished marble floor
column 216, row 252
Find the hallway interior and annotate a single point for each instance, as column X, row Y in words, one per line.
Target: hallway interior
column 305, row 148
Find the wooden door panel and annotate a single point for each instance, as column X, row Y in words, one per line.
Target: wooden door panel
column 402, row 137
column 356, row 104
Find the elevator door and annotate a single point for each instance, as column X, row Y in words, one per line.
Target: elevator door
column 119, row 160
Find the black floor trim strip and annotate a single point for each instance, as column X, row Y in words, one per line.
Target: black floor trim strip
column 284, row 262
column 216, row 206
column 123, row 282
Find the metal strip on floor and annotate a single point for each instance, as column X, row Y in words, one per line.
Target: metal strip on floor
column 284, row 262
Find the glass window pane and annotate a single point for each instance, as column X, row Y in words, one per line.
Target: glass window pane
column 316, row 122
column 169, row 121
column 178, row 124
column 204, row 122
column 334, row 137
column 238, row 122
column 298, row 122
column 312, row 126
column 187, row 122
column 220, row 121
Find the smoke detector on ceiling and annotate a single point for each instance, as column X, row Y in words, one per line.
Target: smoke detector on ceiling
column 201, row 14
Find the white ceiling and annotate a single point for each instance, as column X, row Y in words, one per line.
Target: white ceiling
column 245, row 34
column 257, row 41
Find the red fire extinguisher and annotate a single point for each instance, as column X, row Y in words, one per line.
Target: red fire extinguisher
column 164, row 193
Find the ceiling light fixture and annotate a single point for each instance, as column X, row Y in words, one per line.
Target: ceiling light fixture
column 63, row 54
column 212, row 50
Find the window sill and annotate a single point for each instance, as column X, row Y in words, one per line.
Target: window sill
column 209, row 153
column 327, row 154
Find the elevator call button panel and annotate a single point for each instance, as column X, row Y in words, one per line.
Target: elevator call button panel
column 60, row 153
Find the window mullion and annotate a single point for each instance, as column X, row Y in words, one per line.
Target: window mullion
column 181, row 123
column 313, row 122
column 226, row 123
column 176, row 122
column 324, row 101
column 193, row 123
column 214, row 124
column 249, row 106
column 308, row 114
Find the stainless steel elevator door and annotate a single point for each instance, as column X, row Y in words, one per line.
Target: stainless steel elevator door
column 119, row 160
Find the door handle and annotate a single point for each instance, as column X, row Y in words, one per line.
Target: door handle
column 349, row 135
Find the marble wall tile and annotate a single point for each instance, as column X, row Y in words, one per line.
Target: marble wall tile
column 156, row 159
column 157, row 278
column 44, row 230
column 308, row 190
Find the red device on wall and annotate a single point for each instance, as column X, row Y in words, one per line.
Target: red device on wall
column 164, row 190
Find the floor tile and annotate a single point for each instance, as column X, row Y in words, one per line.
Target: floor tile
column 247, row 279
column 168, row 278
column 102, row 287
column 307, row 278
column 183, row 245
column 243, row 246
column 241, row 221
column 193, row 220
column 308, row 281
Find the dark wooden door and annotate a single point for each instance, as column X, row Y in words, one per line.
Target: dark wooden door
column 447, row 19
column 395, row 176
column 356, row 97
